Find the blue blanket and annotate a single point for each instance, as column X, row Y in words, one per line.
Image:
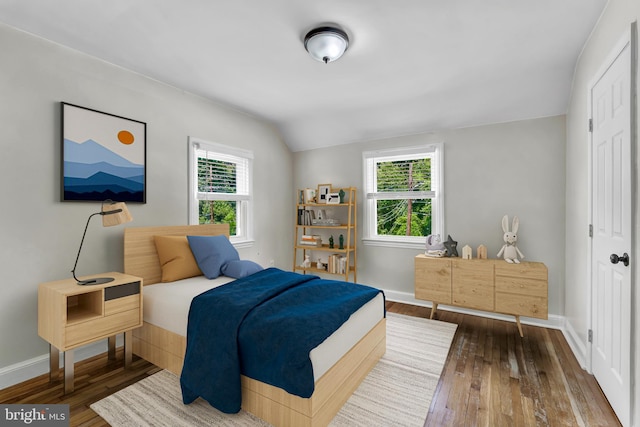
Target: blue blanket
column 262, row 326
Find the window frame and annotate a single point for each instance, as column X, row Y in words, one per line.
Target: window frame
column 244, row 203
column 370, row 229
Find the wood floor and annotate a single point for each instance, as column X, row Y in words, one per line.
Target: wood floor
column 492, row 377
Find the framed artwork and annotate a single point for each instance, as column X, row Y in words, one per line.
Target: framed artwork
column 309, row 195
column 333, row 198
column 323, row 191
column 103, row 156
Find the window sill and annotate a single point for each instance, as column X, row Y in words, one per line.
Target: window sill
column 394, row 243
column 240, row 244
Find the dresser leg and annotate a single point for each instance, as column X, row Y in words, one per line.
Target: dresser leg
column 519, row 326
column 128, row 348
column 68, row 371
column 54, row 362
column 434, row 307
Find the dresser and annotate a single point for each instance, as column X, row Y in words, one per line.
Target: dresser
column 483, row 284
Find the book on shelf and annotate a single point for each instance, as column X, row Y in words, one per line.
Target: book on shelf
column 311, row 240
column 337, row 264
column 306, row 217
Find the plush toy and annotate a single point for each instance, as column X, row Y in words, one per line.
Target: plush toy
column 451, row 247
column 509, row 249
column 307, row 262
column 434, row 246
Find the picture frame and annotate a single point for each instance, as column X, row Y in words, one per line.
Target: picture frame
column 309, row 195
column 333, row 198
column 323, row 190
column 103, row 156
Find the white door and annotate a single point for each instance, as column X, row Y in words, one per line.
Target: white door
column 611, row 215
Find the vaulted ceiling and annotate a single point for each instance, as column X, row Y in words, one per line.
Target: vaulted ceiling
column 412, row 65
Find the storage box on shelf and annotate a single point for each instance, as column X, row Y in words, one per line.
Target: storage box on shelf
column 312, row 237
column 483, row 284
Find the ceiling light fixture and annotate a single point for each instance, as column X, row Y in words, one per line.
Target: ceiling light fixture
column 326, row 44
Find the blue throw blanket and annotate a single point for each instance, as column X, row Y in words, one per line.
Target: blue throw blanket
column 262, row 326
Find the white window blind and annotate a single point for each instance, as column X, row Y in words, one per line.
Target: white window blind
column 403, row 190
column 221, row 176
column 220, row 187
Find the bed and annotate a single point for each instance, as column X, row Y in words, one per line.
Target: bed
column 339, row 367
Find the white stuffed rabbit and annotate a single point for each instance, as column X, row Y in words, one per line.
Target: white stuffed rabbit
column 510, row 250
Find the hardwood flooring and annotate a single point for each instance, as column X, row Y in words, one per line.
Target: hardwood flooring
column 492, row 377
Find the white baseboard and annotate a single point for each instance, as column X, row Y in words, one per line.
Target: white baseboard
column 554, row 321
column 23, row 371
column 578, row 348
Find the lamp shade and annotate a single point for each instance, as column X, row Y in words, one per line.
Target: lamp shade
column 326, row 44
column 115, row 213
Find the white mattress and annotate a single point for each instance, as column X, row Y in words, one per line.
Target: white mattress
column 166, row 305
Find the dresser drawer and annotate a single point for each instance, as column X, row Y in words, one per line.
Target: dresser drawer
column 530, row 270
column 521, row 305
column 521, row 286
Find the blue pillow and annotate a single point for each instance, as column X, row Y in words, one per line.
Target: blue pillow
column 240, row 268
column 211, row 253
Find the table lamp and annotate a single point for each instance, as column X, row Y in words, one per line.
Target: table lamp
column 113, row 213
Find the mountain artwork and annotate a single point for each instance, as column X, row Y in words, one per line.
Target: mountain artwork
column 108, row 165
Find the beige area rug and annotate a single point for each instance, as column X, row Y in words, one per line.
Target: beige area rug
column 397, row 392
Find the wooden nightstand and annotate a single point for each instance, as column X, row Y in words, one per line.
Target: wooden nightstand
column 70, row 315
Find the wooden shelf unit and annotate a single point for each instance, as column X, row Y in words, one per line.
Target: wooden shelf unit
column 483, row 284
column 348, row 230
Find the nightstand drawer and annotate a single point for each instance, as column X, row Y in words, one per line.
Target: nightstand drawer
column 121, row 304
column 103, row 327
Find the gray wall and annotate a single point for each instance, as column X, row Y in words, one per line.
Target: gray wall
column 512, row 168
column 40, row 235
column 614, row 22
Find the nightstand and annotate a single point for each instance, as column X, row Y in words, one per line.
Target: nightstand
column 71, row 315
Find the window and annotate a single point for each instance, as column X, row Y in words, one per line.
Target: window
column 220, row 188
column 403, row 195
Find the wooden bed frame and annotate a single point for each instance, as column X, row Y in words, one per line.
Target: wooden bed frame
column 274, row 405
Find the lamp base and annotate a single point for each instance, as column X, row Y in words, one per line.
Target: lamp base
column 96, row 281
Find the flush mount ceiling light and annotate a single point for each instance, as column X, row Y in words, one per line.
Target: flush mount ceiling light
column 326, row 44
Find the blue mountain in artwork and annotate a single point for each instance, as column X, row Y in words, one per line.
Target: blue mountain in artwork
column 89, row 152
column 85, row 170
column 104, row 181
column 93, row 172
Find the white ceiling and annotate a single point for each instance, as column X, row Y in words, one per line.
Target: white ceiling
column 412, row 65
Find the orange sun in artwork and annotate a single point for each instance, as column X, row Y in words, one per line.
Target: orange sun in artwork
column 125, row 137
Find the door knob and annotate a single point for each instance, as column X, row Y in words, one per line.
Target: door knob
column 616, row 259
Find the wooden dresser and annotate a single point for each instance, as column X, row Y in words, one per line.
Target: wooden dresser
column 483, row 284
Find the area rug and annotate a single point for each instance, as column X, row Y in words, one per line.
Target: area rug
column 397, row 392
